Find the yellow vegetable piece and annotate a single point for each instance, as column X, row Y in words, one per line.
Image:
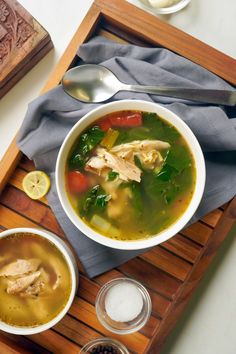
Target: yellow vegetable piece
column 99, row 223
column 36, row 184
column 110, row 138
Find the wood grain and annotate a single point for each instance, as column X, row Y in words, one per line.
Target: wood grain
column 55, row 342
column 170, row 271
column 7, row 346
column 219, row 234
column 23, row 42
column 21, row 344
column 119, row 14
column 81, row 334
column 199, row 232
column 17, row 200
column 183, row 247
column 139, row 269
column 168, row 262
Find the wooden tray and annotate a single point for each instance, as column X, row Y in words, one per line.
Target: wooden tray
column 170, row 271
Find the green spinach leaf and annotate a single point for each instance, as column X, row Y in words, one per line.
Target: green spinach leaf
column 167, row 173
column 178, row 158
column 87, row 142
column 159, row 130
column 153, row 186
column 95, row 201
column 136, row 198
column 162, row 186
column 76, row 161
column 112, row 175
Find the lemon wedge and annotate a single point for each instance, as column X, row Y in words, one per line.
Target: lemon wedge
column 36, row 184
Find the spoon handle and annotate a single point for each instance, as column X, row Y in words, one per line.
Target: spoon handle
column 207, row 96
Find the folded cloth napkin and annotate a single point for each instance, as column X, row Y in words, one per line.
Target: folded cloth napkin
column 50, row 117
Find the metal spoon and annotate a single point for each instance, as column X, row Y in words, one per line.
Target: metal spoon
column 96, row 83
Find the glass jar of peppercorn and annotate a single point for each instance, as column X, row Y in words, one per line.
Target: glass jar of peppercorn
column 104, row 346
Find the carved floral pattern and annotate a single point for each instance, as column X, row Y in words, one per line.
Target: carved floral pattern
column 18, row 30
column 3, row 12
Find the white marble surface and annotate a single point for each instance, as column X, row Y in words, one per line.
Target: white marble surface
column 208, row 325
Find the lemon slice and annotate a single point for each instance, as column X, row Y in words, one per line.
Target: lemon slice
column 36, row 184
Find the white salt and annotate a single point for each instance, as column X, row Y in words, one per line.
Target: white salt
column 123, row 302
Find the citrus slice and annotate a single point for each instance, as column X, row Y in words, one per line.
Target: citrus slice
column 36, row 184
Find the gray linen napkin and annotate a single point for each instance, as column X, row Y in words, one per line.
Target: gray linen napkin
column 50, row 117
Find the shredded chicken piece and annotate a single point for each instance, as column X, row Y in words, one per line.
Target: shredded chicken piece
column 121, row 158
column 96, row 165
column 127, row 170
column 141, row 145
column 33, row 290
column 57, row 282
column 44, row 276
column 40, row 286
column 146, row 150
column 22, row 283
column 20, row 267
column 151, row 159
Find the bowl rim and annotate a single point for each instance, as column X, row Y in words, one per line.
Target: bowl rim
column 193, row 145
column 71, row 262
column 104, row 340
column 168, row 9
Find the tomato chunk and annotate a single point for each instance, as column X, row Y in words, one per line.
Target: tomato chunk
column 104, row 124
column 77, row 182
column 126, row 119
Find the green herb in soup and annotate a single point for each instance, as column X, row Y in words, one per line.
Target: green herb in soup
column 130, row 175
column 35, row 281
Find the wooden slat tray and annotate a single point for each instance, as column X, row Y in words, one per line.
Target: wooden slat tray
column 170, row 271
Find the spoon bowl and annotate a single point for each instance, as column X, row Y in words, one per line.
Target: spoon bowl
column 93, row 83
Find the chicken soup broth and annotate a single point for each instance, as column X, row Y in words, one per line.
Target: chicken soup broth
column 35, row 280
column 130, row 175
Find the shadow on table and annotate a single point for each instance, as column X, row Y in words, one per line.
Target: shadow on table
column 199, row 293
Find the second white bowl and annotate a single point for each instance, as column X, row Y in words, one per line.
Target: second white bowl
column 72, row 264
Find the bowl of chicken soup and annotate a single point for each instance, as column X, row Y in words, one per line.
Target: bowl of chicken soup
column 130, row 174
column 38, row 280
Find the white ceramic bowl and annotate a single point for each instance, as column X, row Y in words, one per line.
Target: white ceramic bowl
column 168, row 9
column 146, row 107
column 70, row 259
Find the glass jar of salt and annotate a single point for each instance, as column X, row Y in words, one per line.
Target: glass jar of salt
column 123, row 305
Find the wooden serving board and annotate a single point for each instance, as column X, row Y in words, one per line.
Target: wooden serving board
column 23, row 42
column 170, row 271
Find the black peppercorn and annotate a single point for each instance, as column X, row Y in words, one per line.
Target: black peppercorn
column 104, row 349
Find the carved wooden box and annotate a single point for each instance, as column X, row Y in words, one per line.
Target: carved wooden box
column 23, row 42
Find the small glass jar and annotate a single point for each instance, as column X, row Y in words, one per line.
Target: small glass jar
column 177, row 6
column 117, row 346
column 123, row 327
